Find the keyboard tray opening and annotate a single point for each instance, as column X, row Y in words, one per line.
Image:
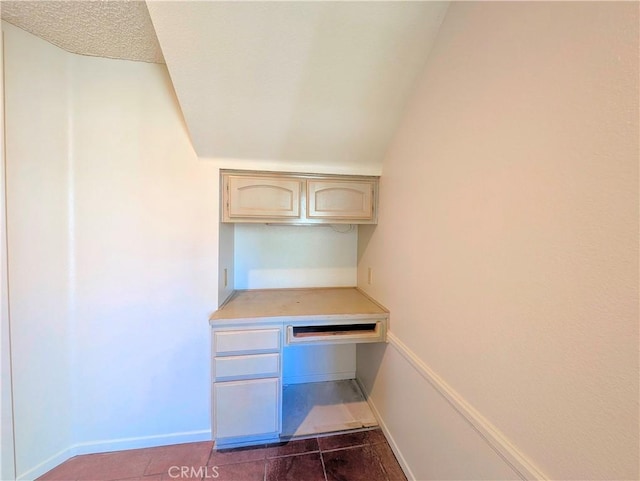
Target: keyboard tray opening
column 335, row 333
column 303, row 331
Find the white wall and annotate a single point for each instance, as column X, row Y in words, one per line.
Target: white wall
column 37, row 154
column 507, row 243
column 145, row 247
column 113, row 232
column 273, row 256
column 7, row 467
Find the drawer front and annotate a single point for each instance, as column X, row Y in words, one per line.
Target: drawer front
column 243, row 367
column 246, row 408
column 246, row 341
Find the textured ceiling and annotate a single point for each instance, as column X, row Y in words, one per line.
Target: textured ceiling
column 106, row 28
column 313, row 83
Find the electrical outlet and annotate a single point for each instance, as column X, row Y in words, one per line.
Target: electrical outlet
column 370, row 276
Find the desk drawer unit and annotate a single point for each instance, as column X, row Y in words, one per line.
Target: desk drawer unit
column 246, row 385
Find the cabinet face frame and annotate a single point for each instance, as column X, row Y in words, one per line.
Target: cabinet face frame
column 308, row 214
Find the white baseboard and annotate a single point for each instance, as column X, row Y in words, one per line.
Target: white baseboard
column 141, row 442
column 46, row 465
column 387, row 434
column 114, row 445
column 523, row 466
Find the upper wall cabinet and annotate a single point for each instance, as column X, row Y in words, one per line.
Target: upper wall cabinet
column 272, row 197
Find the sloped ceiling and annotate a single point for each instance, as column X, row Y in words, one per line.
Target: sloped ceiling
column 320, row 83
column 113, row 29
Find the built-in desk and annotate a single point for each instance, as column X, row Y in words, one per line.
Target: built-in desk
column 248, row 334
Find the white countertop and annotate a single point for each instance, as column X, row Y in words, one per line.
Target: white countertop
column 272, row 304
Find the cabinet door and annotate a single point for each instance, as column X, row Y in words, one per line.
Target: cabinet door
column 246, row 408
column 261, row 198
column 340, row 199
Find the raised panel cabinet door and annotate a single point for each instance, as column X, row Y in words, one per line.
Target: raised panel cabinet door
column 262, row 197
column 246, row 408
column 340, row 200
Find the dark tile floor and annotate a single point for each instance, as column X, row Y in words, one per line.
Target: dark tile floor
column 355, row 456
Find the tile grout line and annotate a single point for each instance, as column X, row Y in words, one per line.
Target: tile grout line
column 293, row 454
column 209, row 458
column 144, row 472
column 324, row 469
column 378, row 458
column 344, row 448
column 265, row 462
